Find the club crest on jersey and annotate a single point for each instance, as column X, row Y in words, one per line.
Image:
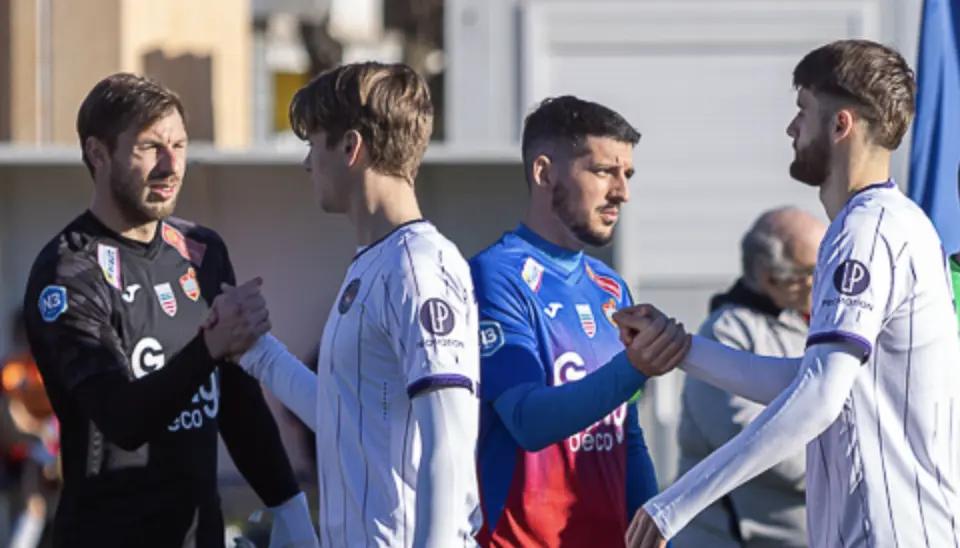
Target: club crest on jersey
column 109, row 259
column 491, row 338
column 168, row 301
column 188, row 282
column 605, row 283
column 53, row 302
column 587, row 322
column 851, row 277
column 188, row 249
column 437, row 317
column 349, row 295
column 609, row 309
column 532, row 274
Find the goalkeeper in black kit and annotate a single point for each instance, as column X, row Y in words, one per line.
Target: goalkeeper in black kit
column 116, row 309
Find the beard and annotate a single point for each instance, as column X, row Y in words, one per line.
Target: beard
column 562, row 207
column 128, row 194
column 811, row 164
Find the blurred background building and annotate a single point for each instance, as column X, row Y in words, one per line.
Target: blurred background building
column 708, row 82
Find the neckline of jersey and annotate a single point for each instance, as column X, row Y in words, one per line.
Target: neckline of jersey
column 565, row 260
column 387, row 236
column 889, row 183
column 141, row 248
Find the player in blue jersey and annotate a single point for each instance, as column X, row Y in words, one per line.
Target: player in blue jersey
column 562, row 459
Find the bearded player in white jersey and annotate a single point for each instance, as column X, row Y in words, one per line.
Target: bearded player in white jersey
column 876, row 397
column 393, row 402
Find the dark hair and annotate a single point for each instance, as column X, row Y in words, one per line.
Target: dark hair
column 388, row 104
column 871, row 78
column 117, row 103
column 570, row 119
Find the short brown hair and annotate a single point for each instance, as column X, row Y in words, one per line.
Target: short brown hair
column 388, row 104
column 117, row 103
column 874, row 78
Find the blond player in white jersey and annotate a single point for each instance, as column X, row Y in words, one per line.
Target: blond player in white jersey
column 876, row 397
column 393, row 402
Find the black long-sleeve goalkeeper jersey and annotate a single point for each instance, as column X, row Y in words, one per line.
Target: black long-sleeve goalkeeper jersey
column 114, row 326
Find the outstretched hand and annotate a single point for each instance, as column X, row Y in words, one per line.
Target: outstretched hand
column 238, row 317
column 655, row 343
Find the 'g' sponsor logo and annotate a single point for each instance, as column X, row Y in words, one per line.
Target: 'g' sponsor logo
column 436, row 317
column 147, row 357
column 851, row 277
column 491, row 338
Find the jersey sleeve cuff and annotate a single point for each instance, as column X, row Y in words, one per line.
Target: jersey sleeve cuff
column 843, row 337
column 446, row 380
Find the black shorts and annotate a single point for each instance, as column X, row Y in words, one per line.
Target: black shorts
column 188, row 525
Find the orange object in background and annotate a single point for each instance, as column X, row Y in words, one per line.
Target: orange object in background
column 22, row 381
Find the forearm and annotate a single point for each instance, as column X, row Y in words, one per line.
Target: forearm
column 538, row 415
column 447, row 422
column 641, row 476
column 129, row 412
column 251, row 436
column 805, row 409
column 285, row 376
column 757, row 378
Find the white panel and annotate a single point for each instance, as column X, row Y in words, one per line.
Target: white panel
column 708, row 83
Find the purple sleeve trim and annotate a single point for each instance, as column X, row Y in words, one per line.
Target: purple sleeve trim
column 842, row 336
column 439, row 381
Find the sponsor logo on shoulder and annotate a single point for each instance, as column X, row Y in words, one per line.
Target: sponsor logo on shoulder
column 190, row 250
column 109, row 259
column 552, row 309
column 168, row 301
column 606, row 283
column 130, row 293
column 437, row 317
column 53, row 302
column 532, row 274
column 188, row 283
column 491, row 337
column 851, row 277
column 589, row 325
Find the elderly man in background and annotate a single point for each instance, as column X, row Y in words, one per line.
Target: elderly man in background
column 765, row 312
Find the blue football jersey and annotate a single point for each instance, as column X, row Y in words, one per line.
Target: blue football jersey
column 556, row 304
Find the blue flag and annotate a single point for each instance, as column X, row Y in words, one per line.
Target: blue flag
column 935, row 154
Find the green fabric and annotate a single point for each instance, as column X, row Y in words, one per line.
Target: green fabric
column 955, row 272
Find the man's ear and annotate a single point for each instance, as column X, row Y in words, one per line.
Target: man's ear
column 540, row 171
column 352, row 147
column 97, row 153
column 843, row 122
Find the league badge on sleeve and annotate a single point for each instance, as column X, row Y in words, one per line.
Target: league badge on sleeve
column 437, row 317
column 53, row 302
column 491, row 338
column 851, row 277
column 168, row 301
column 532, row 274
column 188, row 282
column 349, row 295
column 109, row 259
column 587, row 322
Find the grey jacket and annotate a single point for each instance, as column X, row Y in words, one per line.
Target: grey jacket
column 768, row 510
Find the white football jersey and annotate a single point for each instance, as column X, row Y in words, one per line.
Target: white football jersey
column 887, row 471
column 405, row 321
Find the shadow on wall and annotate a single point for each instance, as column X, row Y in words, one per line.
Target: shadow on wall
column 191, row 76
